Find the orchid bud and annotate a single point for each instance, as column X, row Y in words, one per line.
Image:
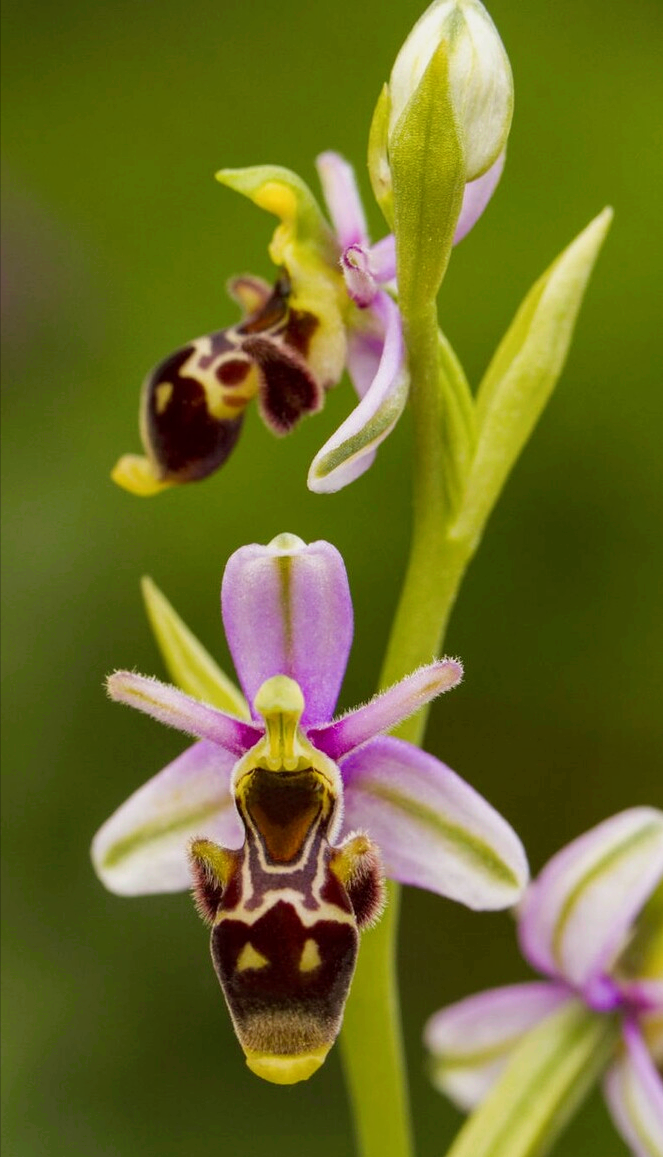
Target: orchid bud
column 437, row 141
column 478, row 76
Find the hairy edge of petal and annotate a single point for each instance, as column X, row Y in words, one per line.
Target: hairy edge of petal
column 143, row 847
column 181, row 711
column 385, row 711
column 189, row 664
column 434, row 830
column 471, row 1041
column 350, row 450
column 577, row 914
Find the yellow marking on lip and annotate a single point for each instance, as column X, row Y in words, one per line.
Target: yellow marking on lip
column 249, row 957
column 277, row 198
column 310, row 958
column 136, row 474
column 284, row 1069
column 163, row 394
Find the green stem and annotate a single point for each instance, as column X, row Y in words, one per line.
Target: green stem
column 437, row 561
column 372, row 1046
column 371, row 1040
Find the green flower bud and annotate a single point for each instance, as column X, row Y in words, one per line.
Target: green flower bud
column 480, row 84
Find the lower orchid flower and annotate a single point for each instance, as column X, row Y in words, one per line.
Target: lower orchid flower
column 332, row 306
column 593, row 923
column 281, row 816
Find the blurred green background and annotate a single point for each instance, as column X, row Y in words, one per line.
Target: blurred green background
column 117, row 246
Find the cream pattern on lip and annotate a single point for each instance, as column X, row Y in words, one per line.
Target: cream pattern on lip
column 285, row 817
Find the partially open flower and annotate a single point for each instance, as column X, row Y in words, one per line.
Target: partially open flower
column 332, row 307
column 592, row 922
column 283, row 816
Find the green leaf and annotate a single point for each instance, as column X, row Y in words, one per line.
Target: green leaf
column 188, row 663
column 549, row 1075
column 457, row 422
column 524, row 371
column 428, row 174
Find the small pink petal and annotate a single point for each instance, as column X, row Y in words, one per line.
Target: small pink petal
column 476, row 197
column 176, row 709
column 383, row 259
column 385, row 711
column 365, row 350
column 341, row 194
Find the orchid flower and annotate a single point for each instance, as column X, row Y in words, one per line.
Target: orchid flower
column 332, row 307
column 282, row 816
column 592, row 924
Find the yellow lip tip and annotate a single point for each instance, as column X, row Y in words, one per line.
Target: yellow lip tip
column 136, row 474
column 286, row 1069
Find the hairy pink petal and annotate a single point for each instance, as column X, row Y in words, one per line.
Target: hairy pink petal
column 388, row 709
column 181, row 711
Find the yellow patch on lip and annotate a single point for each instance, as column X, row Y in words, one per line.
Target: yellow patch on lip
column 249, row 957
column 286, row 1069
column 310, row 958
column 136, row 474
column 278, row 199
column 164, row 393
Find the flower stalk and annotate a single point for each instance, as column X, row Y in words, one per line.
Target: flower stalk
column 463, row 451
column 371, row 1027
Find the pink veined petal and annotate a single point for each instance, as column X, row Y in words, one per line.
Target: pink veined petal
column 471, row 1041
column 364, row 353
column 385, row 711
column 383, row 259
column 351, row 449
column 142, row 848
column 287, row 611
column 634, row 1094
column 176, row 709
column 341, row 194
column 433, row 829
column 476, row 197
column 577, row 914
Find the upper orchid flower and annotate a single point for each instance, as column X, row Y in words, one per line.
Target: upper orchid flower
column 592, row 922
column 331, row 307
column 282, row 815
